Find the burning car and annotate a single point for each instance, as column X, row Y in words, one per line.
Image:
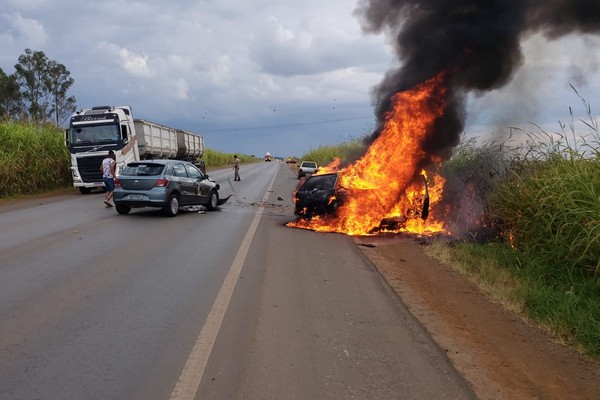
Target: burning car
column 317, row 195
column 322, row 194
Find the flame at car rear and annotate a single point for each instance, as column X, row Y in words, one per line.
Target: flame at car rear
column 384, row 190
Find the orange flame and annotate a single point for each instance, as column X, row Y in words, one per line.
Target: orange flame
column 385, row 189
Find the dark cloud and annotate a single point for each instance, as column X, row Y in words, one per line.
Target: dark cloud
column 476, row 42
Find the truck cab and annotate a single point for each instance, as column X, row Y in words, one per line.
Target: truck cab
column 91, row 134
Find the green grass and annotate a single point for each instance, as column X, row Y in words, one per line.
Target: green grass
column 33, row 159
column 346, row 151
column 541, row 205
column 565, row 305
column 215, row 159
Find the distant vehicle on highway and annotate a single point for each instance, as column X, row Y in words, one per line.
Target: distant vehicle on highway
column 268, row 157
column 166, row 184
column 307, row 168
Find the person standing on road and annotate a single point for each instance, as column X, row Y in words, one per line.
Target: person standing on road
column 108, row 176
column 236, row 168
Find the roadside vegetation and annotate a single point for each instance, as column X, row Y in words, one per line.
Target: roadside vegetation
column 526, row 224
column 34, row 103
column 541, row 250
column 540, row 253
column 536, row 247
column 214, row 159
column 347, row 151
column 33, row 159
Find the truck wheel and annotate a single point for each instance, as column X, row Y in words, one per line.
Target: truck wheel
column 121, row 209
column 84, row 190
column 171, row 209
column 213, row 201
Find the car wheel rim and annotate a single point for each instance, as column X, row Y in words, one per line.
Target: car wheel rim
column 174, row 205
column 213, row 200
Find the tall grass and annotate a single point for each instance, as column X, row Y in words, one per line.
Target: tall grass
column 347, row 151
column 543, row 196
column 215, row 159
column 33, row 159
column 549, row 204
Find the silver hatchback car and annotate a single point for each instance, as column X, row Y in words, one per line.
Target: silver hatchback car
column 166, row 184
column 307, row 168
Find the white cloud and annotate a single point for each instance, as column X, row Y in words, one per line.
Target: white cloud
column 180, row 89
column 27, row 31
column 135, row 64
column 220, row 73
column 26, row 4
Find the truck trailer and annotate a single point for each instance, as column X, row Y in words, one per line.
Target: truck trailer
column 93, row 132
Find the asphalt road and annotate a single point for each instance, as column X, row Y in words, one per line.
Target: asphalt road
column 230, row 304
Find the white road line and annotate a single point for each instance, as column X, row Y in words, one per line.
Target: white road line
column 193, row 370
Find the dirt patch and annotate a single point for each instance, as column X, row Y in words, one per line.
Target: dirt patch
column 500, row 354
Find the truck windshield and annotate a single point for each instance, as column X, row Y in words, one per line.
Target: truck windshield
column 94, row 134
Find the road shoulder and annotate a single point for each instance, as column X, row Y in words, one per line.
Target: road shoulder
column 498, row 353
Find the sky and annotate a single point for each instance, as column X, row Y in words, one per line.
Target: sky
column 261, row 76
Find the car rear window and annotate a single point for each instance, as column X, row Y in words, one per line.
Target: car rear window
column 143, row 169
column 309, row 165
column 320, row 182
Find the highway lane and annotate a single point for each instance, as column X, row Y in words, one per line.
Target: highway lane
column 95, row 305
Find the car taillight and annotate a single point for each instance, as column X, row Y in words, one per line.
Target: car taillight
column 162, row 182
column 118, row 183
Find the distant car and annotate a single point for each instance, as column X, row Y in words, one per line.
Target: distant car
column 307, row 168
column 318, row 195
column 165, row 184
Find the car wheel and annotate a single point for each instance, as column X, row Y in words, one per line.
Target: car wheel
column 213, row 201
column 84, row 190
column 171, row 209
column 121, row 209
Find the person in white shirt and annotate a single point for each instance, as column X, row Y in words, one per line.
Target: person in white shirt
column 108, row 176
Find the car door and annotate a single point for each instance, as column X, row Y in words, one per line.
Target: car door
column 185, row 184
column 201, row 189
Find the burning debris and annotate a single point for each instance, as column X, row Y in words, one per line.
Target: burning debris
column 448, row 48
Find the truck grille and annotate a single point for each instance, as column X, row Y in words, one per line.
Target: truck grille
column 89, row 168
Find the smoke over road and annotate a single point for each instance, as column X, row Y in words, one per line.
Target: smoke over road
column 475, row 43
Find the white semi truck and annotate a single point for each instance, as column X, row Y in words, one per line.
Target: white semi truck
column 93, row 132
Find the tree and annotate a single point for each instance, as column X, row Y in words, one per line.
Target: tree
column 44, row 84
column 10, row 96
column 30, row 73
column 58, row 82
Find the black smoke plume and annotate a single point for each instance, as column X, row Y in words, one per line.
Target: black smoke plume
column 475, row 42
